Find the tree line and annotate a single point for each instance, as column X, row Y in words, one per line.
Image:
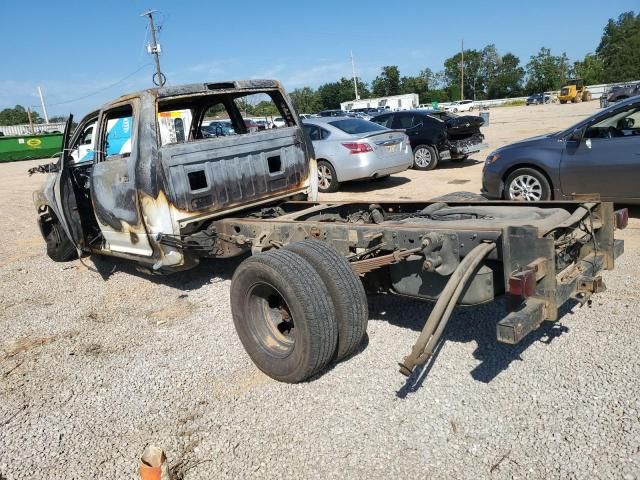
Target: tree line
column 489, row 74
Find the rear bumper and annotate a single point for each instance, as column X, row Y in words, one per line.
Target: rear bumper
column 371, row 166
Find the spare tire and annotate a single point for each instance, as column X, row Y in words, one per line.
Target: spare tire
column 283, row 315
column 346, row 290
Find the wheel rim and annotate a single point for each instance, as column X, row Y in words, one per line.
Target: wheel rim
column 423, row 157
column 324, row 177
column 525, row 188
column 272, row 325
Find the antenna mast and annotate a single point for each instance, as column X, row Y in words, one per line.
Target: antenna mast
column 355, row 81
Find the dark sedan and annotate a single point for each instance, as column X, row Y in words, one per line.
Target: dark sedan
column 436, row 135
column 538, row 99
column 600, row 154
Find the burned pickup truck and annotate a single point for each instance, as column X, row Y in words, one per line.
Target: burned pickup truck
column 138, row 180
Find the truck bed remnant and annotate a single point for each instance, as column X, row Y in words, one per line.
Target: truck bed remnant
column 167, row 197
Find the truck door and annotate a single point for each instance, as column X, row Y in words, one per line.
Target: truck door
column 113, row 183
column 66, row 206
column 607, row 159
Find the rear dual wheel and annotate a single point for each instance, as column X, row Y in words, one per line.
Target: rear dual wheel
column 296, row 309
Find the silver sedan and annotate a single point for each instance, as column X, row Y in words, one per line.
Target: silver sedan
column 354, row 149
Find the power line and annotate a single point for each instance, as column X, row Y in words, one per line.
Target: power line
column 102, row 89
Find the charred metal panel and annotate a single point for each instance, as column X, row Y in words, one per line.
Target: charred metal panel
column 212, row 174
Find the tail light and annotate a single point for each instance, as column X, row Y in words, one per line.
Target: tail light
column 622, row 218
column 523, row 283
column 355, row 147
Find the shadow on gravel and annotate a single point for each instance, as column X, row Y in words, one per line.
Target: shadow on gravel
column 467, row 324
column 207, row 271
column 449, row 165
column 371, row 185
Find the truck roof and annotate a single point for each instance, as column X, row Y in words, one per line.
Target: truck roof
column 201, row 88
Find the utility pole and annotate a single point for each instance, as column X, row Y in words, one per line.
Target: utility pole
column 462, row 70
column 44, row 108
column 154, row 49
column 355, row 80
column 30, row 120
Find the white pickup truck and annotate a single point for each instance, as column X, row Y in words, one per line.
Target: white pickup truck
column 461, row 106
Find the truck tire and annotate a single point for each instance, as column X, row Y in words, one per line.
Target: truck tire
column 327, row 177
column 424, row 157
column 563, row 102
column 59, row 247
column 460, row 197
column 527, row 184
column 346, row 291
column 283, row 315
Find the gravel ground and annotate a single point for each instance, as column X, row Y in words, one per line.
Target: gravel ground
column 93, row 366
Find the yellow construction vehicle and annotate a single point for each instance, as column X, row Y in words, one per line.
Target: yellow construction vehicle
column 574, row 91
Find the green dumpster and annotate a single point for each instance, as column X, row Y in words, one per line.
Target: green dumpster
column 27, row 147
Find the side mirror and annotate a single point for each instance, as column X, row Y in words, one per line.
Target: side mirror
column 576, row 135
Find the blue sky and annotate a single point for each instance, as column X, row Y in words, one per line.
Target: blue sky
column 75, row 48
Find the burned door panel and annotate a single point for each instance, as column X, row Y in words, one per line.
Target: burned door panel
column 213, row 174
column 113, row 184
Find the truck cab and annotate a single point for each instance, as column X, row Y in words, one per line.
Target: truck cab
column 138, row 179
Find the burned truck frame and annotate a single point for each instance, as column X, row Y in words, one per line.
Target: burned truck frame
column 167, row 197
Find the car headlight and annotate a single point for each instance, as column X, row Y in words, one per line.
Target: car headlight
column 492, row 158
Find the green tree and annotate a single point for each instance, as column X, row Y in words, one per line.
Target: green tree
column 305, row 100
column 17, row 116
column 546, row 71
column 507, row 78
column 591, row 69
column 474, row 74
column 387, row 83
column 331, row 94
column 619, row 48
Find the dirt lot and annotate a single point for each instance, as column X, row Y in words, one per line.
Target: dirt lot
column 95, row 365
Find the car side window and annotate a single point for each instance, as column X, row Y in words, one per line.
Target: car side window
column 313, row 132
column 402, row 120
column 118, row 134
column 384, row 120
column 625, row 123
column 324, row 134
column 418, row 121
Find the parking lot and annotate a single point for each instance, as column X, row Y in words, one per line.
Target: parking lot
column 97, row 360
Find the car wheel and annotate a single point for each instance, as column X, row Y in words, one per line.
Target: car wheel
column 59, row 247
column 345, row 288
column 471, row 109
column 424, row 157
column 455, row 110
column 527, row 185
column 327, row 178
column 283, row 315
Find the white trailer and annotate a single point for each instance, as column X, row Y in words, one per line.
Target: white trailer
column 407, row 101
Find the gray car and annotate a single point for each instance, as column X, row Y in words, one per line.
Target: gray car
column 599, row 155
column 353, row 149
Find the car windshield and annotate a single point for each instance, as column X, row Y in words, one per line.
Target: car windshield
column 355, row 126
